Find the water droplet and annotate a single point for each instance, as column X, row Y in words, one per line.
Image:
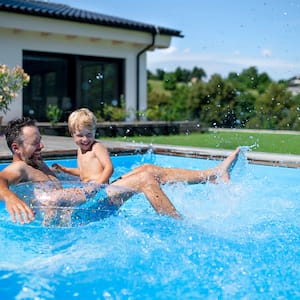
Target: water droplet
column 99, row 76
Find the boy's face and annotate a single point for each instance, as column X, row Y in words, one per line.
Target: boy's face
column 84, row 138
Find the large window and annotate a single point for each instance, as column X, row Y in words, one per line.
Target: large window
column 70, row 82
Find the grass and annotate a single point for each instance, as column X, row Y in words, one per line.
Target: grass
column 156, row 85
column 263, row 142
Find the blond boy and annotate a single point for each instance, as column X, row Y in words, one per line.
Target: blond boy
column 93, row 160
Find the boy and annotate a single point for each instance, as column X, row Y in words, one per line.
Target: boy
column 93, row 160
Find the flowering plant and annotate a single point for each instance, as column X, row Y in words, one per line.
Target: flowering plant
column 11, row 81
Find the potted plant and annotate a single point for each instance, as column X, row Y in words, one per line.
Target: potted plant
column 11, row 81
column 54, row 114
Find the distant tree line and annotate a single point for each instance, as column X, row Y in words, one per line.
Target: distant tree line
column 246, row 100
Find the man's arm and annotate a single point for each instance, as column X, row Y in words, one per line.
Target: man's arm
column 14, row 205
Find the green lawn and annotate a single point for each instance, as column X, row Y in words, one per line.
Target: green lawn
column 264, row 142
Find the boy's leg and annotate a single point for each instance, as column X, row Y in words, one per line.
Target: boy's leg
column 172, row 175
column 221, row 171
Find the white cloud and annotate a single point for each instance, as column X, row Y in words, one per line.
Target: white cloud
column 167, row 51
column 215, row 63
column 266, row 52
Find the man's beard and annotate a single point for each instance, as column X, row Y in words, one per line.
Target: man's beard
column 34, row 162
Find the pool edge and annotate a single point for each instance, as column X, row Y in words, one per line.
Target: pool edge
column 56, row 146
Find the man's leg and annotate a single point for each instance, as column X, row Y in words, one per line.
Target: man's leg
column 145, row 182
column 147, row 179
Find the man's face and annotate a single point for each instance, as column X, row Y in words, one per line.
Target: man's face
column 32, row 145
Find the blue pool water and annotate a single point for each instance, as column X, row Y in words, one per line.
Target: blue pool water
column 236, row 241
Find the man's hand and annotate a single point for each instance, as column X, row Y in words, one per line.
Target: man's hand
column 19, row 209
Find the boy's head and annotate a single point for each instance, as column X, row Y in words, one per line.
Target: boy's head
column 81, row 118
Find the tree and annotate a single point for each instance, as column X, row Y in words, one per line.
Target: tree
column 246, row 99
column 222, row 94
column 198, row 73
column 157, row 102
column 294, row 123
column 213, row 103
column 273, row 108
column 244, row 108
column 263, row 82
column 249, row 77
column 178, row 110
column 169, row 81
column 160, row 74
column 182, row 75
column 197, row 98
column 150, row 75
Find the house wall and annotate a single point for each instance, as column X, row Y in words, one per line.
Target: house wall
column 294, row 85
column 21, row 32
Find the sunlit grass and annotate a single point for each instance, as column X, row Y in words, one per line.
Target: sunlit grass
column 263, row 142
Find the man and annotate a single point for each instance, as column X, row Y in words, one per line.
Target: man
column 24, row 140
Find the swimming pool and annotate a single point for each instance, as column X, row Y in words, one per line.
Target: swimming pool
column 236, row 240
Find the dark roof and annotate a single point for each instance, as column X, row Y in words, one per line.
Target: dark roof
column 68, row 13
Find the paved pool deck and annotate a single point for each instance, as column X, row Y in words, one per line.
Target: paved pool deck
column 58, row 146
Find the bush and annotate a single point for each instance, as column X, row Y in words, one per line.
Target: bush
column 112, row 113
column 53, row 113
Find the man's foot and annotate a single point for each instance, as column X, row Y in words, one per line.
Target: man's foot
column 223, row 170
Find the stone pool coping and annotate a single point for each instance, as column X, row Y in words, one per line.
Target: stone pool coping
column 59, row 146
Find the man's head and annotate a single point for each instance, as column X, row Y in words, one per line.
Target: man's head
column 23, row 138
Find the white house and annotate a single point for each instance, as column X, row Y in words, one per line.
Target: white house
column 294, row 85
column 76, row 58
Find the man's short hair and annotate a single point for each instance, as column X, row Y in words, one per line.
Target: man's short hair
column 13, row 130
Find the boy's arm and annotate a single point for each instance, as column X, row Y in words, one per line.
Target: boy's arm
column 72, row 171
column 104, row 158
column 14, row 205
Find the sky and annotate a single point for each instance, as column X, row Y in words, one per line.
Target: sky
column 220, row 36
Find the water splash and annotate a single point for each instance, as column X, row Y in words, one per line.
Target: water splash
column 148, row 157
column 238, row 240
column 240, row 166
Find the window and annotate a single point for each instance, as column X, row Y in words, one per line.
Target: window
column 70, row 82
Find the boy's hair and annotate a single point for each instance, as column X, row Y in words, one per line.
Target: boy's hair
column 81, row 118
column 13, row 130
